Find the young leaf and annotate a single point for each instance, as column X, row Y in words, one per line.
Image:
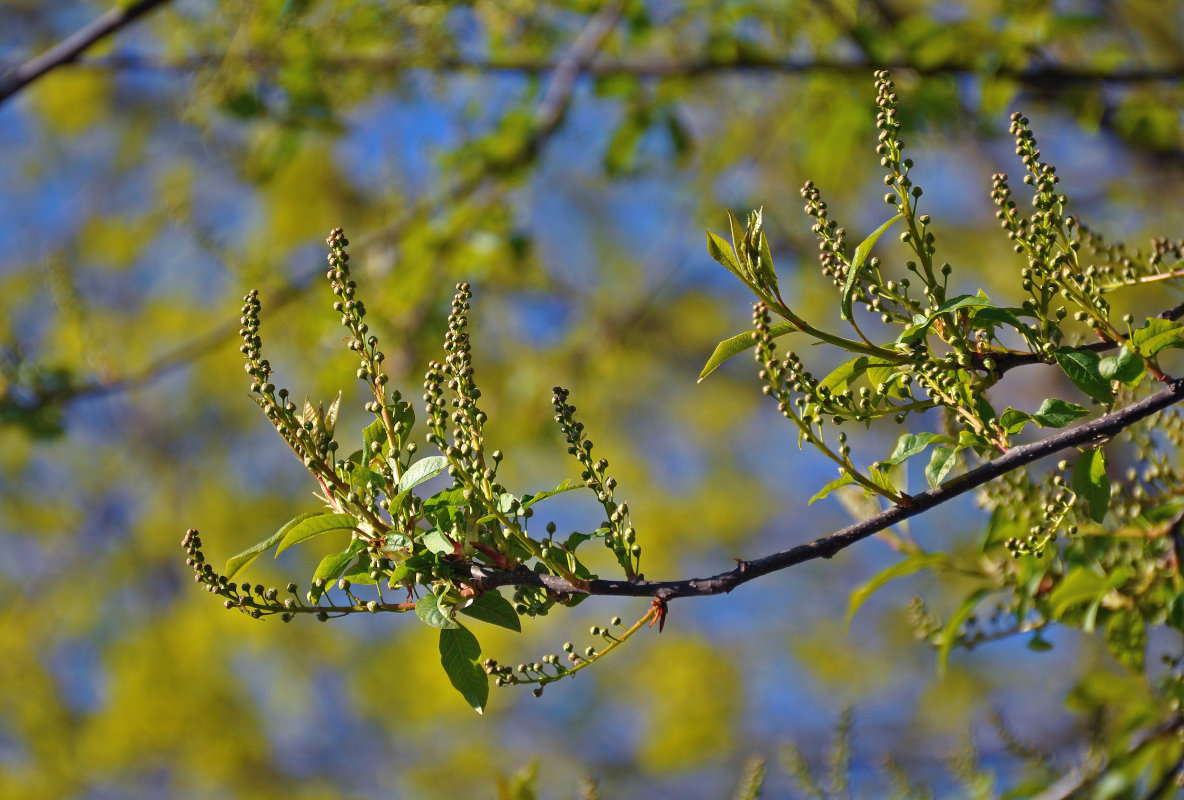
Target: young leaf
column 841, row 378
column 1082, row 368
column 568, row 485
column 843, row 480
column 718, row 249
column 910, row 444
column 330, row 569
column 856, row 266
column 1013, row 420
column 941, row 461
column 1056, row 413
column 1125, row 366
column 738, row 344
column 460, row 654
column 361, row 477
column 427, row 608
column 236, row 563
column 1126, row 636
column 1090, row 481
column 423, row 470
column 316, row 525
column 1157, row 335
column 437, row 542
column 374, row 433
column 1081, row 585
column 955, row 623
column 491, row 607
column 912, row 564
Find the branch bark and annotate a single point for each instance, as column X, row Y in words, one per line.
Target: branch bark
column 1047, row 77
column 827, row 546
column 70, row 48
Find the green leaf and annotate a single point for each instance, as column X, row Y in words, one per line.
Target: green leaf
column 843, row 480
column 1157, row 334
column 1082, row 368
column 374, row 433
column 954, row 625
column 856, row 266
column 914, row 563
column 1013, row 420
column 910, row 444
column 1090, row 481
column 941, row 461
column 1126, row 367
column 427, row 608
column 236, row 563
column 361, row 477
column 460, row 654
column 330, row 569
column 437, row 542
column 738, row 344
column 1126, row 636
column 1081, row 585
column 718, row 249
column 423, row 470
column 1039, row 644
column 979, row 300
column 1176, row 612
column 986, row 317
column 568, row 485
column 841, row 378
column 491, row 607
column 1056, row 413
column 315, row 526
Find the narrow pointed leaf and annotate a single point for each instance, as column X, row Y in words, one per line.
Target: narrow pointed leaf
column 738, row 344
column 843, row 480
column 857, row 261
column 315, row 526
column 236, row 563
column 568, row 485
column 330, row 569
column 954, row 625
column 718, row 249
column 910, row 565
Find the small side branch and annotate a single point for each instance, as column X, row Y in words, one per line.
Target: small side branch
column 73, row 46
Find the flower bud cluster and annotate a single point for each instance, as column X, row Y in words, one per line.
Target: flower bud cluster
column 832, row 246
column 619, row 535
column 255, row 602
column 310, row 435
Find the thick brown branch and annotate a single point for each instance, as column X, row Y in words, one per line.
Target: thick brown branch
column 827, row 546
column 70, row 48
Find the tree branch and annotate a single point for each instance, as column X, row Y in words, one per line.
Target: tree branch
column 1006, row 361
column 1045, row 77
column 70, row 48
column 827, row 546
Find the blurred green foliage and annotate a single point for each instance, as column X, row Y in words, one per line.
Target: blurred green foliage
column 209, row 147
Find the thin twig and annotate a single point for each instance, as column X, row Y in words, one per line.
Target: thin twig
column 827, row 546
column 70, row 48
